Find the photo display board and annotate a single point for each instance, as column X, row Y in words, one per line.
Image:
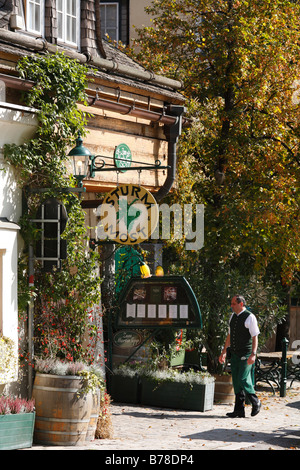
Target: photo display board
column 158, row 301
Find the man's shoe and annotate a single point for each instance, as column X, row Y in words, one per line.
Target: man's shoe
column 239, row 408
column 256, row 404
column 236, row 414
column 256, row 408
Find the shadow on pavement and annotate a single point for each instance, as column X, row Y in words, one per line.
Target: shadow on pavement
column 285, row 438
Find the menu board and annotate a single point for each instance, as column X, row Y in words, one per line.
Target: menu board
column 159, row 301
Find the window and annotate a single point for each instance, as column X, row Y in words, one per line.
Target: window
column 33, row 14
column 68, row 16
column 110, row 20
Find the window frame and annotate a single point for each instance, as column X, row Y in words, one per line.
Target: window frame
column 25, row 14
column 64, row 40
column 103, row 20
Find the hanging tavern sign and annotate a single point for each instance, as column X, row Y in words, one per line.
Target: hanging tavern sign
column 128, row 215
column 167, row 301
column 122, row 157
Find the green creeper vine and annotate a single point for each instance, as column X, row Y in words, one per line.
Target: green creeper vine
column 63, row 300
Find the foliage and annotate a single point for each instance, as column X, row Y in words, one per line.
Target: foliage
column 239, row 65
column 92, row 377
column 129, row 369
column 190, row 377
column 64, row 308
column 167, row 345
column 12, row 405
column 63, row 299
column 163, row 375
column 59, row 83
column 8, row 360
column 58, row 367
column 91, row 382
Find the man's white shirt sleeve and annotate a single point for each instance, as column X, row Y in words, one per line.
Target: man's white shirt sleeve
column 251, row 324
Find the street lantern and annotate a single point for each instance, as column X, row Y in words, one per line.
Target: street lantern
column 81, row 156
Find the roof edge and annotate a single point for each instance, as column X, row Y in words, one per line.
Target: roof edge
column 42, row 45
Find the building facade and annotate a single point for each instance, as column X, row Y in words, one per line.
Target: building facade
column 129, row 105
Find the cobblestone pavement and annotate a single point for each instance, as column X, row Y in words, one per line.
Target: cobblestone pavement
column 143, row 428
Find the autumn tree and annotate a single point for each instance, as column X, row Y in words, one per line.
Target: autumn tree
column 239, row 65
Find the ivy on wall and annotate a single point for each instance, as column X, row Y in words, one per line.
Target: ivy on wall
column 63, row 300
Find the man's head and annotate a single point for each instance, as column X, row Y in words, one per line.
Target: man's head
column 238, row 303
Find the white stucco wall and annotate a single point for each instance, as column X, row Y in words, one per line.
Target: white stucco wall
column 9, row 245
column 17, row 124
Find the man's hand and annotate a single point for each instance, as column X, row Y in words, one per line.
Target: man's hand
column 251, row 359
column 222, row 357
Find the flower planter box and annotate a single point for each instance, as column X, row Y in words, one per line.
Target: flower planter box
column 124, row 389
column 16, row 431
column 198, row 397
column 177, row 359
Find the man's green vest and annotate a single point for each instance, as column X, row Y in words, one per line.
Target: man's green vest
column 240, row 338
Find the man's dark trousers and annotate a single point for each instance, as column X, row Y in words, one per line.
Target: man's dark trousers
column 242, row 379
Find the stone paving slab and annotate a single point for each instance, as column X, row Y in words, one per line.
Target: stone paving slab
column 144, row 428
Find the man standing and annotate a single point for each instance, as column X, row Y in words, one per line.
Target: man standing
column 243, row 341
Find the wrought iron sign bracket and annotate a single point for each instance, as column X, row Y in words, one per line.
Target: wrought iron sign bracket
column 102, row 165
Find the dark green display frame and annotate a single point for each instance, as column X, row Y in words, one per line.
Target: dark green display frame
column 158, row 302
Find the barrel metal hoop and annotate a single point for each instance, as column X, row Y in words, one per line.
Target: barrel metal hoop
column 55, row 389
column 62, row 420
column 68, row 433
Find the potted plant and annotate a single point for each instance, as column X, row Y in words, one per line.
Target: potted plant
column 67, row 401
column 17, row 417
column 190, row 390
column 167, row 348
column 171, row 388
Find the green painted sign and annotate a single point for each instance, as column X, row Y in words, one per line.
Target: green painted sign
column 127, row 339
column 122, row 157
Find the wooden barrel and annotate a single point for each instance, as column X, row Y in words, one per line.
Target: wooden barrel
column 91, row 430
column 224, row 392
column 62, row 414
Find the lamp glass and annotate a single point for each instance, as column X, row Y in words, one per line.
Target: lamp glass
column 80, row 165
column 81, row 156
